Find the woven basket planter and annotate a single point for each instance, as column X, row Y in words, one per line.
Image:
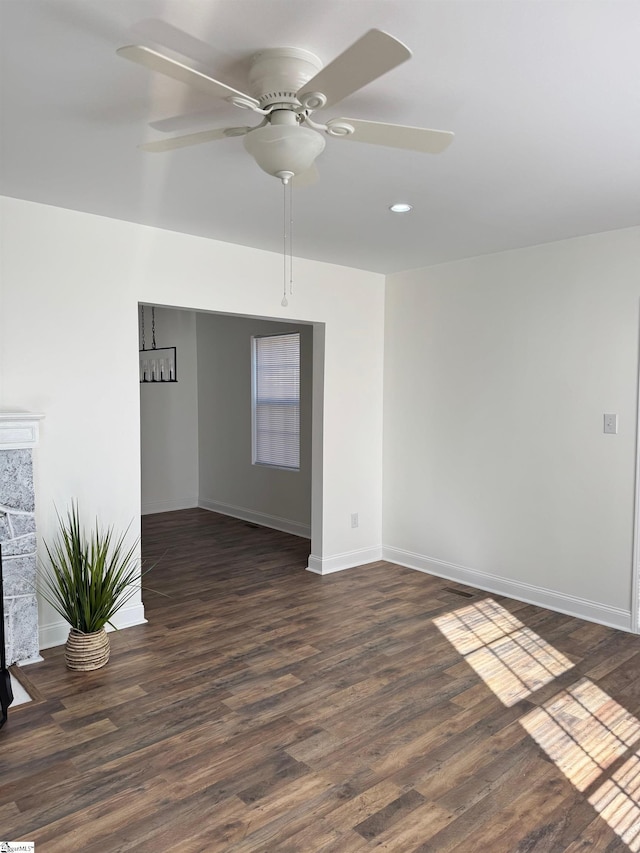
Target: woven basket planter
column 84, row 652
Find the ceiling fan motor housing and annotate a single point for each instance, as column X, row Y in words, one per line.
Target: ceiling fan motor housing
column 278, row 73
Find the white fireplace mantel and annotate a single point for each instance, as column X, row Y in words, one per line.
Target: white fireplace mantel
column 19, row 430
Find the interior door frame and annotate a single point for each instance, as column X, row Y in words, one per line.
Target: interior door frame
column 635, row 560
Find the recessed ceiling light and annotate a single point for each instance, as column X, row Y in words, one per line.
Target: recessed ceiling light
column 400, row 207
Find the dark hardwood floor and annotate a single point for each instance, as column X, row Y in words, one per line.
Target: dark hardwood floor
column 264, row 708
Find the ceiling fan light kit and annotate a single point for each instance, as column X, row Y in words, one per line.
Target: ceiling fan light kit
column 282, row 148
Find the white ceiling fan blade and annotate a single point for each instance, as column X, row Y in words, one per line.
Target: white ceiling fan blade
column 194, row 138
column 172, row 68
column 367, row 59
column 397, row 135
column 306, row 179
column 184, row 121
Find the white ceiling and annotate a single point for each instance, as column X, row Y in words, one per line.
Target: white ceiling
column 543, row 96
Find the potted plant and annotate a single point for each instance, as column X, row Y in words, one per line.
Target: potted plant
column 88, row 579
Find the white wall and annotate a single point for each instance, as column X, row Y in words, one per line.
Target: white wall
column 169, row 419
column 498, row 371
column 496, row 470
column 229, row 482
column 69, row 329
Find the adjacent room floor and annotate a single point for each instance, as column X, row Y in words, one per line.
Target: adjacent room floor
column 264, row 708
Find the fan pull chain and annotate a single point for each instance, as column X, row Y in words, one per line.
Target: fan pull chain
column 285, row 301
column 287, row 239
column 290, row 237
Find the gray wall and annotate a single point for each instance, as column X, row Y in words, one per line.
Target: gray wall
column 228, row 480
column 169, row 419
column 196, row 433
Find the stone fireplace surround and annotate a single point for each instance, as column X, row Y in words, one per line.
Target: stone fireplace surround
column 18, row 437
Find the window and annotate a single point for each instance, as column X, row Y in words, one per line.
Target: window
column 276, row 401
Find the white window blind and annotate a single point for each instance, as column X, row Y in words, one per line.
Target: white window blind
column 276, row 400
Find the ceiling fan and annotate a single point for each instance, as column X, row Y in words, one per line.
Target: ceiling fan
column 289, row 84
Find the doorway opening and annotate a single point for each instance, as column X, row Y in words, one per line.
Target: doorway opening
column 196, row 433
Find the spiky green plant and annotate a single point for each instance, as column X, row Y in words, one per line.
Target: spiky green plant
column 89, row 577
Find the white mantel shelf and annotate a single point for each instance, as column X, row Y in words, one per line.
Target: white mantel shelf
column 19, row 430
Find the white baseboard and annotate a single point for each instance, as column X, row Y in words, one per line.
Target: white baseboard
column 151, row 507
column 340, row 562
column 261, row 518
column 28, row 661
column 592, row 611
column 56, row 633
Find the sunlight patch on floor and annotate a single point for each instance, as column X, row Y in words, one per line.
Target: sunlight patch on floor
column 581, row 728
column 511, row 659
column 617, row 802
column 583, row 731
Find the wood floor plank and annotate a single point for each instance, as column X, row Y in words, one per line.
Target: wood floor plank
column 321, row 837
column 422, row 823
column 264, row 708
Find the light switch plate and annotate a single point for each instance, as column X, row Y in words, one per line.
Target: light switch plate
column 611, row 424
